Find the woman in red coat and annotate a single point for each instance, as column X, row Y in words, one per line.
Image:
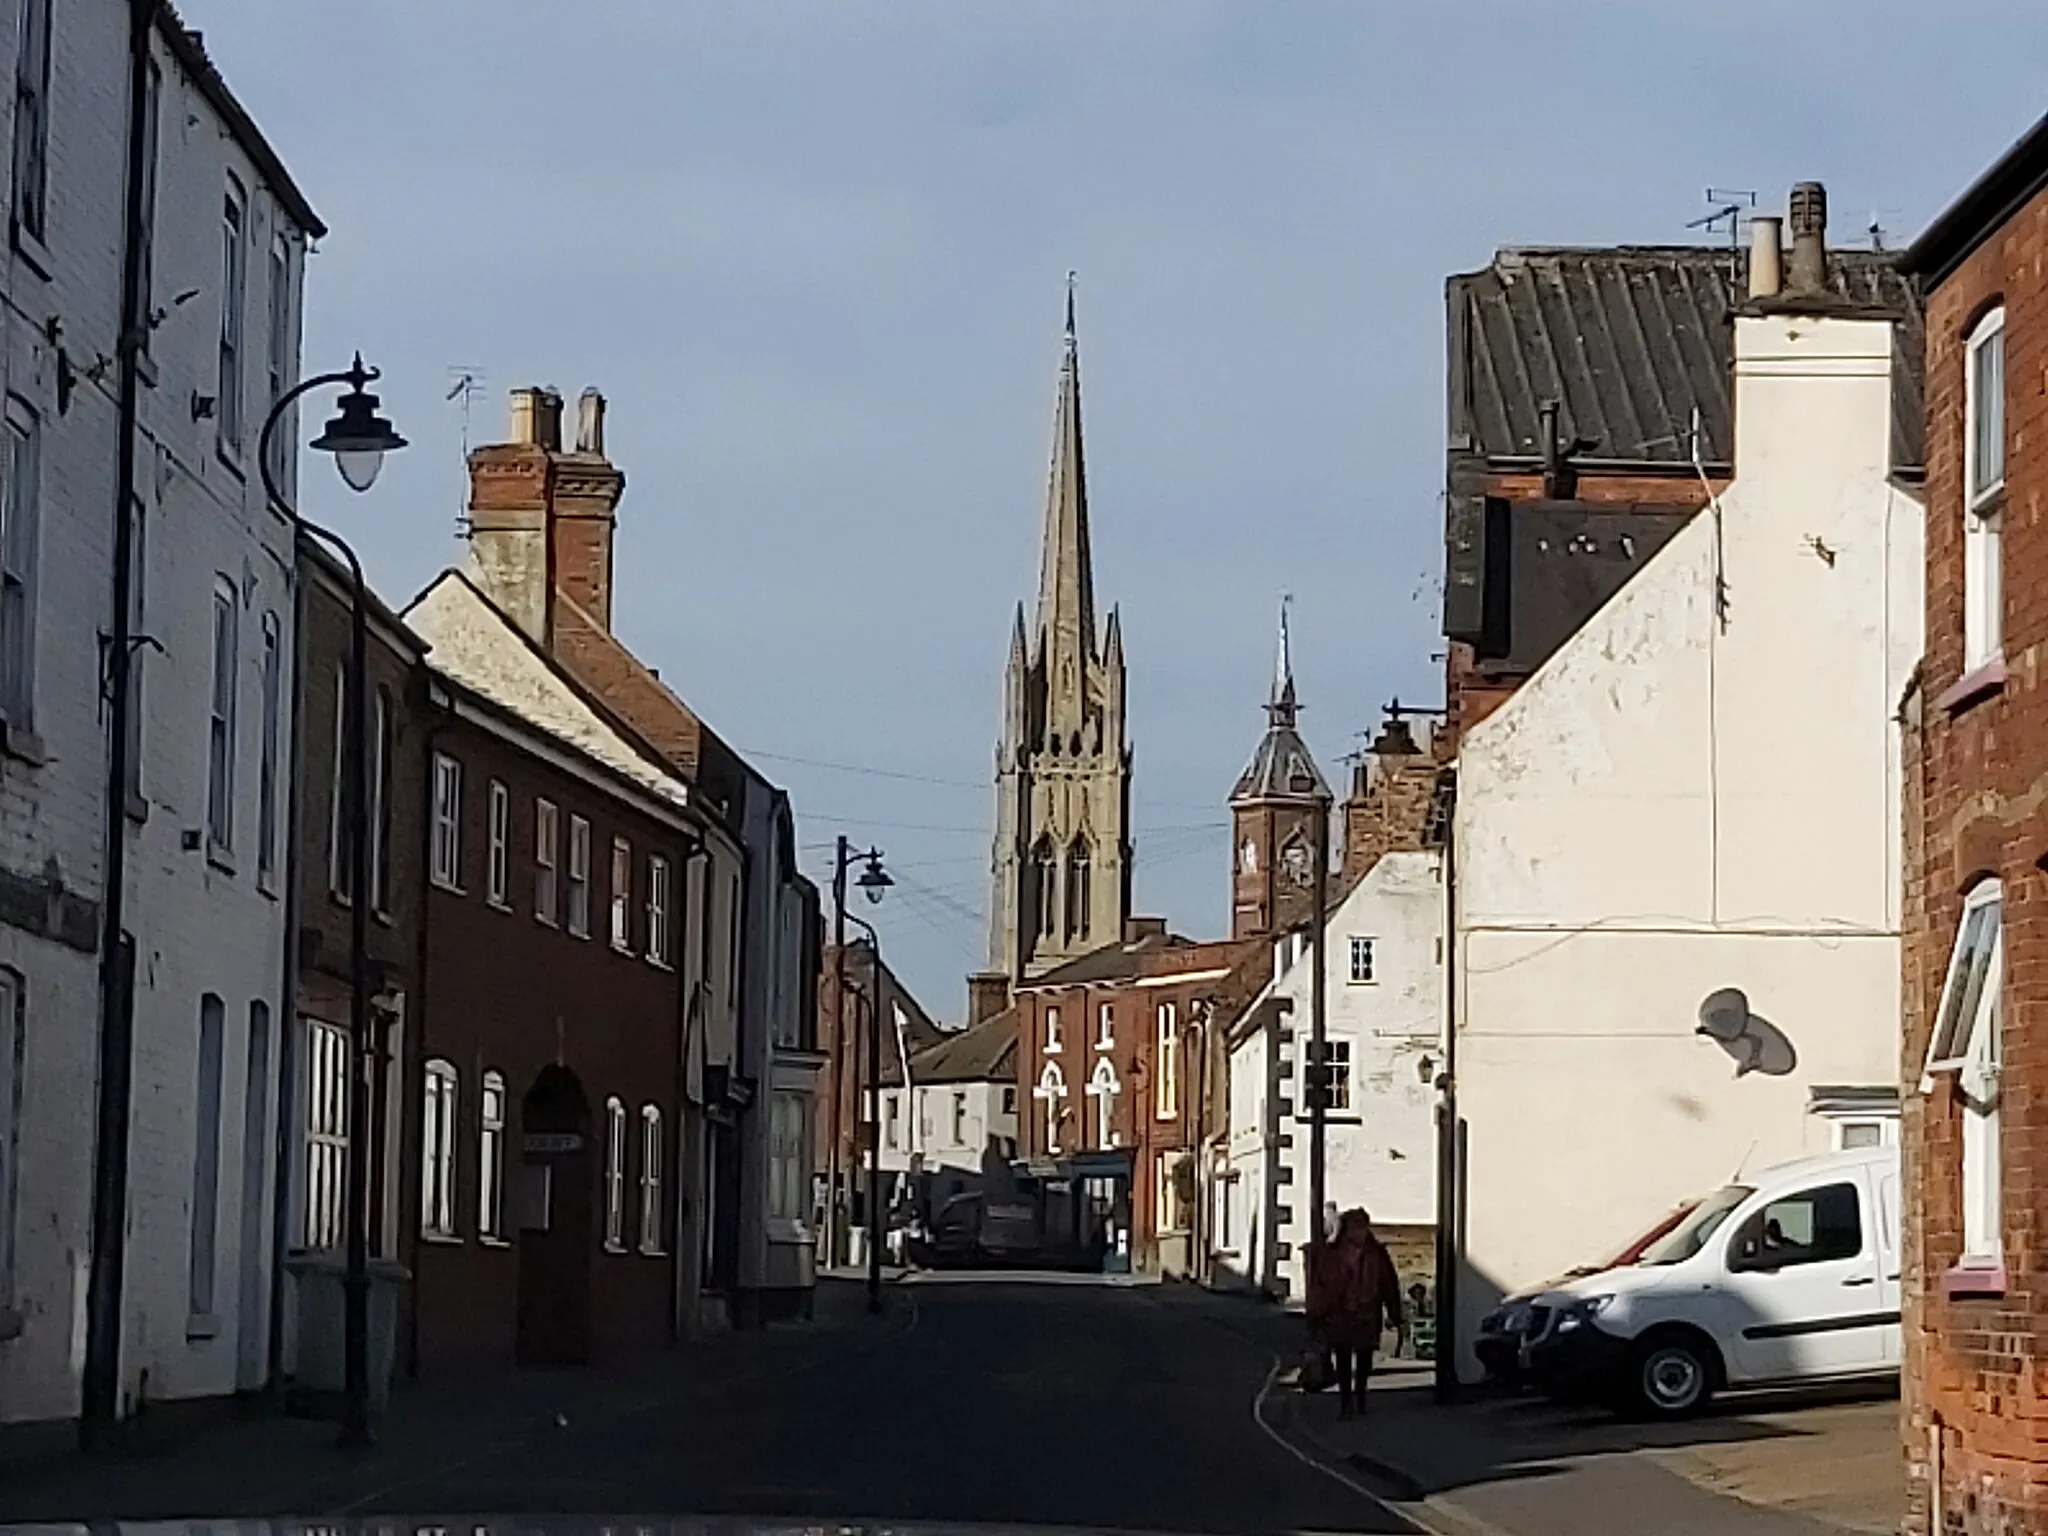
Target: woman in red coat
column 1354, row 1295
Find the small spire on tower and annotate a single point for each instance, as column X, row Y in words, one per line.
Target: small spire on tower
column 1282, row 708
column 1071, row 275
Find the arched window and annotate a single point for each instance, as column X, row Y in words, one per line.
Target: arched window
column 1103, row 1089
column 1045, row 868
column 614, row 1176
column 490, row 1193
column 437, row 1152
column 650, row 1179
column 1051, row 1092
column 1077, row 889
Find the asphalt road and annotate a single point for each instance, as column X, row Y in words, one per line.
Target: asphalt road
column 1013, row 1404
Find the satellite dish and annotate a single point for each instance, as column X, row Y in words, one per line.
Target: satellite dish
column 1756, row 1044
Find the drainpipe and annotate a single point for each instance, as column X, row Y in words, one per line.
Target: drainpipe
column 689, row 1245
column 1449, row 1175
column 100, row 1386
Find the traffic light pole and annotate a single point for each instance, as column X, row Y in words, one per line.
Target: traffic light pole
column 1317, row 1078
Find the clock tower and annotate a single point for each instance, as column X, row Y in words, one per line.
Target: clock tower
column 1272, row 813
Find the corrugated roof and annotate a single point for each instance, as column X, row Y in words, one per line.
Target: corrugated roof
column 985, row 1053
column 1629, row 340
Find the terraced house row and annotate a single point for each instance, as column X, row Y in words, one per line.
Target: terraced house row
column 592, row 957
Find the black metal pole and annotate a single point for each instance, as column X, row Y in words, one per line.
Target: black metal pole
column 355, row 1422
column 1318, row 1047
column 1448, row 1172
column 100, row 1385
column 874, row 1126
column 839, row 1039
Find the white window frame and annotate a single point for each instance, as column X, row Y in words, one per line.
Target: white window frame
column 614, row 1175
column 1362, row 947
column 1166, row 1197
column 547, row 834
column 202, row 1273
column 234, row 297
column 1105, row 1027
column 1051, row 1089
column 1103, row 1087
column 1966, row 1041
column 650, row 1180
column 1166, row 1070
column 341, row 870
column 21, row 515
column 267, row 777
column 622, row 895
column 498, row 835
column 13, row 1050
column 446, row 843
column 577, row 919
column 1337, row 1056
column 1052, row 1031
column 959, row 1115
column 788, row 1179
column 441, row 1107
column 220, row 726
column 660, row 901
column 1983, row 504
column 326, row 1121
column 892, row 1120
column 282, row 351
column 490, row 1159
column 30, row 210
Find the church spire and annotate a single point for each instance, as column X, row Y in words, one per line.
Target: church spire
column 1281, row 709
column 1066, row 577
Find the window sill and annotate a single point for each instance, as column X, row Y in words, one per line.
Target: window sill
column 220, row 858
column 653, row 1253
column 442, row 1239
column 497, row 905
column 145, row 367
column 622, row 949
column 1975, row 1277
column 25, row 746
column 441, row 883
column 135, row 807
column 230, row 458
column 545, row 922
column 659, row 964
column 34, row 253
column 611, row 1247
column 200, row 1326
column 494, row 1242
column 1979, row 683
column 578, row 933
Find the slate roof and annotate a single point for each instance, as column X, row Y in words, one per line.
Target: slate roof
column 1629, row 339
column 1112, row 962
column 985, row 1053
column 1281, row 769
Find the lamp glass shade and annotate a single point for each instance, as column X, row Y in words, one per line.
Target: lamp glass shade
column 359, row 466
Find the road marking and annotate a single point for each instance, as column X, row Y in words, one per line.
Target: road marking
column 1424, row 1515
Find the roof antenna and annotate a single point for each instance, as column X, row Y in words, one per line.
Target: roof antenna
column 1726, row 206
column 465, row 384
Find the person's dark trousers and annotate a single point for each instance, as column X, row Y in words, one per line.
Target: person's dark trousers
column 1354, row 1368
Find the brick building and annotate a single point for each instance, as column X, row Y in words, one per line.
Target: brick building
column 1975, row 1000
column 1117, row 1052
column 316, row 1064
column 554, row 1202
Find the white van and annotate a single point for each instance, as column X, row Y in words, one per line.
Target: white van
column 1788, row 1276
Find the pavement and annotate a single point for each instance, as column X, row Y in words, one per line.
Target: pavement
column 999, row 1402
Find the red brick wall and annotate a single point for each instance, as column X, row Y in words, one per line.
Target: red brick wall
column 1977, row 778
column 506, row 992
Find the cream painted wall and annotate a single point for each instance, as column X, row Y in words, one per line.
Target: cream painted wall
column 1677, row 803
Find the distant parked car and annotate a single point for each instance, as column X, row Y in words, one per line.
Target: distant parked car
column 1790, row 1277
column 1503, row 1332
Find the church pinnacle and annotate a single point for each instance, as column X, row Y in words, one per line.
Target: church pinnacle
column 1060, row 867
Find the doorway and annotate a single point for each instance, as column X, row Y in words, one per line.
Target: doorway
column 556, row 1206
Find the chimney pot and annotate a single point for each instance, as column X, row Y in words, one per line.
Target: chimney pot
column 590, row 423
column 1766, row 257
column 1809, row 213
column 525, row 409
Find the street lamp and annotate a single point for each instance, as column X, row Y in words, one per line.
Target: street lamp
column 358, row 438
column 874, row 883
column 874, row 1094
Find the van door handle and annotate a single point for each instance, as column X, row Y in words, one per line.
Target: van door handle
column 1862, row 1280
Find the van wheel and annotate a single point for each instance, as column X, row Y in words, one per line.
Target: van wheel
column 1671, row 1375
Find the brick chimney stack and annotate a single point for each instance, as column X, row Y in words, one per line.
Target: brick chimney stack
column 1388, row 807
column 541, row 519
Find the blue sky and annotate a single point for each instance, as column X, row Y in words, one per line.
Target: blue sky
column 815, row 253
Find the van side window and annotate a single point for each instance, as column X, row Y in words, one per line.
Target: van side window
column 1811, row 1227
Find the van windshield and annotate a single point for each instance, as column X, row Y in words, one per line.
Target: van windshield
column 1691, row 1234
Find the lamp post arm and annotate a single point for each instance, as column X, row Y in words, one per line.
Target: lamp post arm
column 356, row 375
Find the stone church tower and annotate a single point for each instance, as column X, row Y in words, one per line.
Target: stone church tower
column 1061, row 866
column 1272, row 816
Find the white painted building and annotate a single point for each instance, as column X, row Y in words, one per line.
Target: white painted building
column 1384, row 1025
column 958, row 1110
column 226, row 233
column 1697, row 791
